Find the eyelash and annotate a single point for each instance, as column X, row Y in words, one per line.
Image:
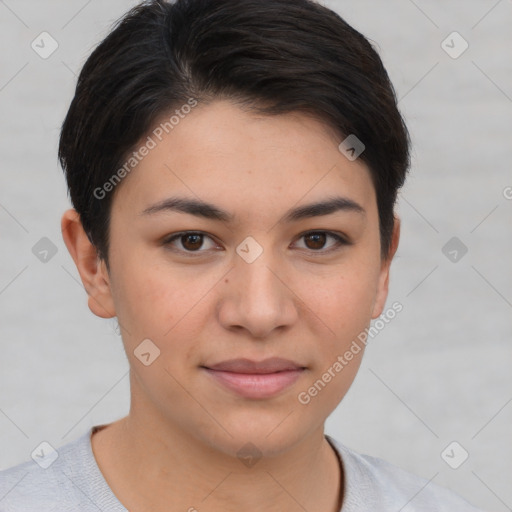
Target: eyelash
column 340, row 242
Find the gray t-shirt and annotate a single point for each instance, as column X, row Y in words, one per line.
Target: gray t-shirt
column 73, row 482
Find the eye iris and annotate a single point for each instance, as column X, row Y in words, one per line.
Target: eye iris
column 198, row 241
column 318, row 240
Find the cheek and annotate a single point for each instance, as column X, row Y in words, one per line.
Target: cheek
column 147, row 301
column 164, row 305
column 342, row 301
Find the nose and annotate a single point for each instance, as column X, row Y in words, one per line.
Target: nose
column 257, row 297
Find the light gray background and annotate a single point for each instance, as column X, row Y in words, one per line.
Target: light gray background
column 439, row 372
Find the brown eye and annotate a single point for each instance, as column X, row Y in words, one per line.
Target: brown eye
column 192, row 242
column 315, row 241
column 189, row 243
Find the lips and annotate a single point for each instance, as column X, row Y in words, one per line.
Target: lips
column 255, row 379
column 271, row 365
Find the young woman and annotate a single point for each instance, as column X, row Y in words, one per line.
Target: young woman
column 233, row 167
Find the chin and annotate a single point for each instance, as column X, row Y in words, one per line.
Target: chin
column 266, row 433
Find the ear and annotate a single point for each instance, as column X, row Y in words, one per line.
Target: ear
column 91, row 268
column 383, row 284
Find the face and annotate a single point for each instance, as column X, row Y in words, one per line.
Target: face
column 258, row 283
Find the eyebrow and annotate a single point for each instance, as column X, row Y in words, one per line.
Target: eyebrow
column 210, row 211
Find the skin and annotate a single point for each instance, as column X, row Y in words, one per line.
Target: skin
column 177, row 447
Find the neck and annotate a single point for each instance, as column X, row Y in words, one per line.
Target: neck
column 151, row 465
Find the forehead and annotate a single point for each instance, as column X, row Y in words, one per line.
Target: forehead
column 244, row 161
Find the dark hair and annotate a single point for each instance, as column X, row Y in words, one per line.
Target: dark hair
column 273, row 56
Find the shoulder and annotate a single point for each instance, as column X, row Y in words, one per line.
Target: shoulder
column 23, row 486
column 370, row 481
column 50, row 484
